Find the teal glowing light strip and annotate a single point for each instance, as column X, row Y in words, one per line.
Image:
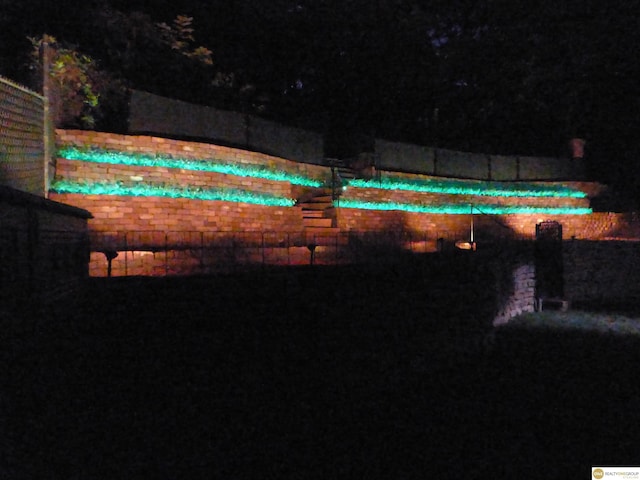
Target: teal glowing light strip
column 149, row 190
column 141, row 160
column 455, row 187
column 455, row 209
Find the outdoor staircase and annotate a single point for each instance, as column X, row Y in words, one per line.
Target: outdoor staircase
column 318, row 212
column 341, row 169
column 320, row 223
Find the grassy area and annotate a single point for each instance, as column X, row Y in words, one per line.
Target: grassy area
column 578, row 320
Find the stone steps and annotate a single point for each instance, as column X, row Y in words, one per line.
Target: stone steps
column 317, row 222
column 317, row 210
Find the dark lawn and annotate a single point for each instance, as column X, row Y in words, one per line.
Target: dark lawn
column 318, row 374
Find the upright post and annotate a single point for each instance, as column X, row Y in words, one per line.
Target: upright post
column 126, row 270
column 166, row 255
column 201, row 252
column 45, row 57
column 472, row 235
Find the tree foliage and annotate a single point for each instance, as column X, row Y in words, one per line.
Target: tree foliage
column 180, row 36
column 88, row 93
column 77, row 86
column 492, row 76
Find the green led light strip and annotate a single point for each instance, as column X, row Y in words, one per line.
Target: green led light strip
column 454, row 209
column 207, row 165
column 149, row 190
column 455, row 187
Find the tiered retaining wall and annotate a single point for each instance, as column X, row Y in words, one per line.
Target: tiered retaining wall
column 86, row 171
column 114, row 213
column 449, row 163
column 158, row 235
column 194, row 150
column 133, row 222
column 595, row 226
column 167, row 117
column 130, row 213
column 156, row 115
column 125, row 214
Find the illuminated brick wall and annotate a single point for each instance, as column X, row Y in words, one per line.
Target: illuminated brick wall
column 113, row 213
column 595, row 226
column 145, row 224
column 130, row 213
column 87, row 171
column 116, row 214
column 432, row 225
column 195, row 150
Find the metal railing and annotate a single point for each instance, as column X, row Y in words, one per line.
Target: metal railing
column 42, row 263
column 126, row 253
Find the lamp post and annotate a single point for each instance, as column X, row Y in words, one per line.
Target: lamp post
column 472, row 229
column 49, row 167
column 471, row 244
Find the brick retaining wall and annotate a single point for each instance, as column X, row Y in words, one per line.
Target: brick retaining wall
column 113, row 213
column 115, row 217
column 102, row 172
column 130, row 212
column 182, row 149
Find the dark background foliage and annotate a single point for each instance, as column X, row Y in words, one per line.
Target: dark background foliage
column 493, row 76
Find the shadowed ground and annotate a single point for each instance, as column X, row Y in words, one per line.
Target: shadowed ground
column 315, row 373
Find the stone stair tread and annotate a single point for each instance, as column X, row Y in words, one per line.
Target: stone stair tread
column 325, row 231
column 320, row 199
column 346, row 173
column 317, row 209
column 313, row 214
column 317, row 222
column 316, row 205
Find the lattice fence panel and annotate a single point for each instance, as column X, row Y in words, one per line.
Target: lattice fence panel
column 22, row 138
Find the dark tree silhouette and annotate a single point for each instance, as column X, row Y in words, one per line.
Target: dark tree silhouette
column 494, row 76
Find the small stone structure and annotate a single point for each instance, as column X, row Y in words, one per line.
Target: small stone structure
column 515, row 275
